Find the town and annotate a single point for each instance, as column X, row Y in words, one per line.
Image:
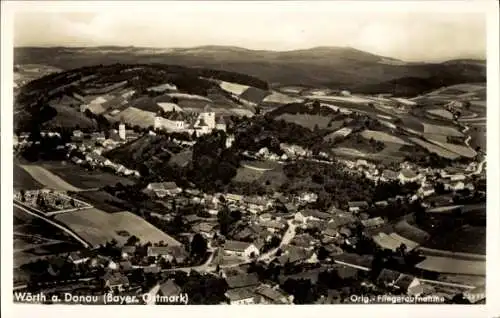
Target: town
column 227, row 176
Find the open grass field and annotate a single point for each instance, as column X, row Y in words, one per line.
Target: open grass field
column 478, row 134
column 383, row 137
column 23, row 180
column 100, row 200
column 82, row 178
column 182, row 96
column 411, row 232
column 269, row 179
column 342, row 132
column 441, row 130
column 306, row 120
column 443, row 113
column 435, row 149
column 467, row 239
column 463, row 151
column 98, row 227
column 448, row 265
column 341, row 99
column 280, row 98
column 134, row 116
column 233, row 88
column 48, row 179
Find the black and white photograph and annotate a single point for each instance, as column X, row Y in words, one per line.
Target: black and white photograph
column 268, row 153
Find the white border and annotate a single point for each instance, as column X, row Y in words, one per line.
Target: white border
column 491, row 309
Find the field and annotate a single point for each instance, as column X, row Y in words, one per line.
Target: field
column 134, row 116
column 98, row 227
column 383, row 137
column 233, row 88
column 448, row 265
column 182, row 96
column 100, row 200
column 48, row 179
column 478, row 134
column 82, row 178
column 443, row 113
column 435, row 149
column 441, row 130
column 269, row 179
column 345, row 99
column 458, row 149
column 280, row 98
column 23, row 180
column 467, row 239
column 307, row 121
column 254, row 95
column 343, row 132
column 411, row 232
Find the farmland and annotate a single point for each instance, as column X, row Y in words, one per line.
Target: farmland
column 280, row 98
column 134, row 116
column 23, row 180
column 98, row 227
column 101, row 200
column 448, row 265
column 48, row 179
column 307, row 121
column 441, row 130
column 82, row 178
column 435, row 149
column 233, row 88
column 443, row 113
column 463, row 151
column 383, row 137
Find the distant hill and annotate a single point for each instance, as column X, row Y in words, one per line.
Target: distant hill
column 131, row 91
column 328, row 67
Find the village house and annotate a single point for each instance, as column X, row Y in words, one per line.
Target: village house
column 295, row 255
column 387, row 278
column 241, row 296
column 373, row 222
column 308, row 197
column 205, row 229
column 230, row 197
column 240, row 249
column 269, row 295
column 273, row 226
column 426, row 190
column 407, row 176
column 78, row 257
column 168, row 252
column 382, row 203
column 255, row 204
column 389, row 175
column 115, row 281
column 162, row 189
column 454, row 186
column 357, row 206
column 308, row 215
column 408, row 284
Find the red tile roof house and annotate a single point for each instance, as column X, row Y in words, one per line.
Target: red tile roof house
column 241, row 249
column 162, row 189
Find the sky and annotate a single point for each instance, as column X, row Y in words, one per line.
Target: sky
column 422, row 35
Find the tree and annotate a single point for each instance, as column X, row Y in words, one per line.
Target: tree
column 198, row 245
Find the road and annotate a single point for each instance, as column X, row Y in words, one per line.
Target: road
column 287, row 238
column 66, row 230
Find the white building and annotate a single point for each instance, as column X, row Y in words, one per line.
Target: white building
column 122, row 132
column 241, row 249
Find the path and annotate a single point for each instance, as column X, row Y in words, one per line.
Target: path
column 66, row 230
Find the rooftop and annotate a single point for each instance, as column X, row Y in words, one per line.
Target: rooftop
column 242, row 280
column 236, row 245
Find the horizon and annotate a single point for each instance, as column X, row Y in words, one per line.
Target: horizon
column 438, row 36
column 239, row 48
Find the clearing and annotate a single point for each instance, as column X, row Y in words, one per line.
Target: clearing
column 98, row 227
column 383, row 137
column 48, row 179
